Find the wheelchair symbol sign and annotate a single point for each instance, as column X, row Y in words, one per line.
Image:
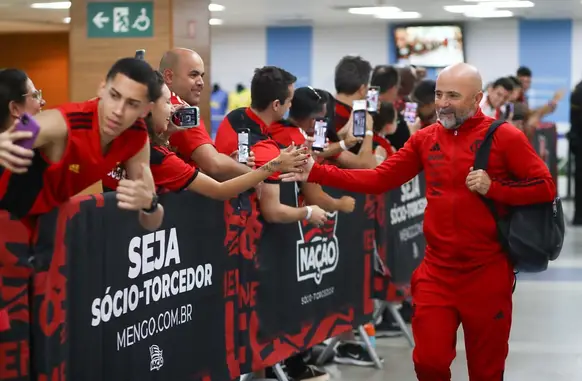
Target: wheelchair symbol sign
column 142, row 22
column 119, row 19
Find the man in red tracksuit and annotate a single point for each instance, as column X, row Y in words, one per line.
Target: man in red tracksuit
column 465, row 277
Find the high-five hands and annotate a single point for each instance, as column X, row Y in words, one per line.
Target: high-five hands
column 478, row 181
column 12, row 156
column 291, row 160
column 301, row 175
column 137, row 194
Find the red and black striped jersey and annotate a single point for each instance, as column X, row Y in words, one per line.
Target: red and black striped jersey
column 46, row 185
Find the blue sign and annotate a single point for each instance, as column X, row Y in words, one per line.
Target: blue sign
column 545, row 46
column 290, row 48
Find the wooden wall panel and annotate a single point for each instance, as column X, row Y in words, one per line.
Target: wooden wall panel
column 191, row 31
column 91, row 58
column 44, row 57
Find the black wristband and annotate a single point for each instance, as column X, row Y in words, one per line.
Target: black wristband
column 153, row 207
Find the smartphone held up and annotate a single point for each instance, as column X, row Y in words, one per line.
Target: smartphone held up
column 27, row 123
column 359, row 118
column 140, row 54
column 186, row 117
column 410, row 112
column 243, row 145
column 320, row 132
column 372, row 99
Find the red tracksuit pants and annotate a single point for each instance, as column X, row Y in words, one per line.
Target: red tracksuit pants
column 480, row 300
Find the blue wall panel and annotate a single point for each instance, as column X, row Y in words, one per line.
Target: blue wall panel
column 291, row 48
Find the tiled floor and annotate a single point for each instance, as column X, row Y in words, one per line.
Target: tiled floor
column 546, row 339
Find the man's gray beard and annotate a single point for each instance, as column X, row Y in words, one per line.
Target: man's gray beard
column 459, row 120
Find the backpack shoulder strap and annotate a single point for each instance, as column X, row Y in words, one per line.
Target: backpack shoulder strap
column 482, row 162
column 482, row 155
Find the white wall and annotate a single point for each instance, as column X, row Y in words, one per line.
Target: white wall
column 491, row 45
column 330, row 44
column 235, row 54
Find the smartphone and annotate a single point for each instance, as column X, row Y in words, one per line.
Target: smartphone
column 410, row 112
column 187, row 117
column 359, row 118
column 243, row 145
column 372, row 98
column 27, row 123
column 140, row 54
column 509, row 109
column 319, row 134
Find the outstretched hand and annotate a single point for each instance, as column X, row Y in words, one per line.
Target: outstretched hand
column 299, row 176
column 291, row 159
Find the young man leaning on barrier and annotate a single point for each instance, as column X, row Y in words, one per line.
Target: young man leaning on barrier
column 183, row 71
column 466, row 277
column 79, row 143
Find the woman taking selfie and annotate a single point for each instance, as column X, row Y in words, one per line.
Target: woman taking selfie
column 17, row 96
column 172, row 174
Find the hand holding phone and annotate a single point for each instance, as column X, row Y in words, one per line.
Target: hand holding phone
column 319, row 134
column 243, row 145
column 372, row 99
column 16, row 145
column 186, row 117
column 410, row 112
column 28, row 124
column 359, row 118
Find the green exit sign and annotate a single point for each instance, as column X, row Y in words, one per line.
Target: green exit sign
column 120, row 20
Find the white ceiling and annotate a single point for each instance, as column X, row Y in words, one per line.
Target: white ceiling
column 17, row 16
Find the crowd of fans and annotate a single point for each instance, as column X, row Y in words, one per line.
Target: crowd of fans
column 136, row 150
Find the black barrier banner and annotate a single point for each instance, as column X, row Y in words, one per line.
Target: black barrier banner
column 308, row 272
column 405, row 241
column 15, row 279
column 247, row 349
column 137, row 304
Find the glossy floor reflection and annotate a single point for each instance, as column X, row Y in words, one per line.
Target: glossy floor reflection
column 546, row 339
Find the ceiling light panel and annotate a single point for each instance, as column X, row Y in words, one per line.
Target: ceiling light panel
column 53, row 5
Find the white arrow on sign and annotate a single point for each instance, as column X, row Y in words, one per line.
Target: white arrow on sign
column 99, row 20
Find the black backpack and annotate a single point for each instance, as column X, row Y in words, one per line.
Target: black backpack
column 532, row 235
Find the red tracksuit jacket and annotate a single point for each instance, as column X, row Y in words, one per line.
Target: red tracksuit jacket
column 459, row 229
